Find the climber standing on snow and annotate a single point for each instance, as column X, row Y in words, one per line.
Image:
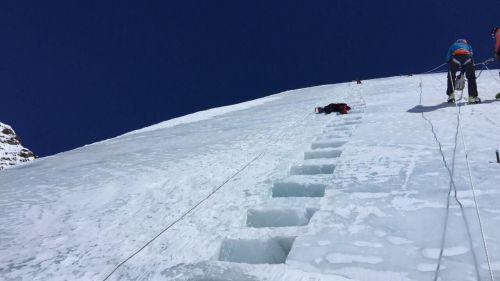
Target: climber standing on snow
column 459, row 57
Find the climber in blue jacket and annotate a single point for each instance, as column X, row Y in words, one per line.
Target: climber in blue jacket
column 460, row 56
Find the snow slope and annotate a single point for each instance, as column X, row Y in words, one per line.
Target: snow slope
column 268, row 190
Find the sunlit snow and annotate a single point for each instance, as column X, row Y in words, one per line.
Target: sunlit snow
column 299, row 196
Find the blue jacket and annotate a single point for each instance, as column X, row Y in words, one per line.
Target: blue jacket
column 459, row 47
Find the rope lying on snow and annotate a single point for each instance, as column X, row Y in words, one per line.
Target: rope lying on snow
column 452, row 185
column 451, row 173
column 185, row 214
column 471, row 181
column 190, row 210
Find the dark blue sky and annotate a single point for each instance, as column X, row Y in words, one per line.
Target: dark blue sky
column 76, row 72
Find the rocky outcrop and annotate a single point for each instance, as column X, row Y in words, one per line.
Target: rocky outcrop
column 12, row 151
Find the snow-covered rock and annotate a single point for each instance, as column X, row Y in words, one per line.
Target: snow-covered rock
column 12, row 151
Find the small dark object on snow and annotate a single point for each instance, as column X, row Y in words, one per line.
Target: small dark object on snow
column 358, row 81
column 497, row 96
column 341, row 108
column 498, row 156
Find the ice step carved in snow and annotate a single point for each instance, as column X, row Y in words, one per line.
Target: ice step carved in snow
column 293, row 189
column 256, row 251
column 349, row 118
column 318, row 154
column 329, row 144
column 205, row 271
column 344, row 123
column 336, row 135
column 331, row 129
column 312, row 169
column 279, row 217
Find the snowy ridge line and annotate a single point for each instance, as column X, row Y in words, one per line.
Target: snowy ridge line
column 452, row 186
column 206, row 114
column 197, row 116
column 473, row 187
column 203, row 200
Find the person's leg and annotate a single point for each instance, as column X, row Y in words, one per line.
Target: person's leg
column 498, row 59
column 471, row 79
column 452, row 69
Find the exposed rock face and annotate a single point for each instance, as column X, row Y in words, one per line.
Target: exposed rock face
column 12, row 151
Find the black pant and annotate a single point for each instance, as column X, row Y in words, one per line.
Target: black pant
column 469, row 74
column 336, row 107
column 498, row 57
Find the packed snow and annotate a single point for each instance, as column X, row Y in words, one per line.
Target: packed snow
column 268, row 190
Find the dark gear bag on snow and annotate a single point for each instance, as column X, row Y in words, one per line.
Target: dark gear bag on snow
column 341, row 108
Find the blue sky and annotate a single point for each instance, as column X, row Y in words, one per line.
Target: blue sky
column 76, row 72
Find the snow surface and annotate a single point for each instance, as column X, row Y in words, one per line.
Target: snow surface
column 299, row 196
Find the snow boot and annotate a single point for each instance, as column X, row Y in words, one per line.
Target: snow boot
column 451, row 98
column 474, row 100
column 318, row 110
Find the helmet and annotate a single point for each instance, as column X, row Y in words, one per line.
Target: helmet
column 461, row 41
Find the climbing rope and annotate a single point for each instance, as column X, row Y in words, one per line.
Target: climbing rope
column 434, row 69
column 471, row 181
column 190, row 210
column 493, row 75
column 484, row 63
column 452, row 186
column 452, row 183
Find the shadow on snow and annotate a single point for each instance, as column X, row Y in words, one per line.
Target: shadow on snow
column 424, row 109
